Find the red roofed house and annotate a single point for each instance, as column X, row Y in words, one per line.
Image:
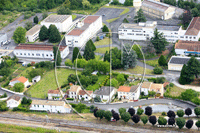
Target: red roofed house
column 87, row 95
column 83, row 31
column 129, row 92
column 39, row 51
column 54, row 94
column 19, row 80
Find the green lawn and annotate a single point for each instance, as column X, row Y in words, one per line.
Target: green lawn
column 126, row 10
column 152, row 62
column 94, row 87
column 105, row 41
column 137, row 70
column 102, row 50
column 48, row 82
column 176, row 91
column 73, row 17
column 98, row 57
column 8, row 128
column 111, row 20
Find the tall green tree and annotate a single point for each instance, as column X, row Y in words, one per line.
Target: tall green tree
column 180, row 122
column 158, row 41
column 105, row 29
column 128, row 3
column 54, row 35
column 129, row 57
column 193, row 66
column 19, row 87
column 185, row 77
column 19, row 35
column 35, row 20
column 162, row 61
column 89, row 51
column 140, row 16
column 76, row 54
column 44, row 33
column 57, row 56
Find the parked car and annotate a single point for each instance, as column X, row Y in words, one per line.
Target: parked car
column 28, row 86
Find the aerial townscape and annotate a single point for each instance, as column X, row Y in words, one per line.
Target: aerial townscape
column 77, row 66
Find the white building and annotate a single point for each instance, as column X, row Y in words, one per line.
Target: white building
column 19, row 80
column 87, row 95
column 33, row 34
column 39, row 51
column 83, row 31
column 13, row 101
column 145, row 87
column 3, row 38
column 137, row 3
column 54, row 94
column 62, row 22
column 130, row 93
column 149, row 86
column 50, row 106
column 176, row 62
column 145, row 31
column 73, row 91
column 36, row 79
column 105, row 93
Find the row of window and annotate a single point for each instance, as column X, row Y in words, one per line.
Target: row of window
column 42, row 106
column 37, row 54
column 71, row 41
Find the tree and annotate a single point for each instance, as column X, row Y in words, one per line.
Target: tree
column 198, row 124
column 140, row 111
column 148, row 110
column 86, row 4
column 128, row 3
column 185, row 76
column 72, row 78
column 197, row 111
column 157, row 70
column 80, row 107
column 76, row 54
column 43, row 34
column 171, row 114
column 188, row 111
column 162, row 61
column 3, row 106
column 114, row 82
column 95, row 112
column 107, row 115
column 158, row 41
column 180, row 122
column 35, row 20
column 19, row 35
column 189, row 124
column 97, row 99
column 189, row 94
column 44, row 15
column 144, row 119
column 68, row 62
column 24, row 100
column 136, row 118
column 187, row 16
column 64, row 11
column 195, row 12
column 162, row 121
column 54, row 35
column 57, row 56
column 193, row 66
column 18, row 87
column 89, row 51
column 29, row 101
column 180, row 113
column 131, row 111
column 121, row 79
column 28, row 25
column 125, row 20
column 129, row 57
column 171, row 121
column 116, row 116
column 140, row 17
column 125, row 116
column 152, row 93
column 100, row 113
column 152, row 120
column 122, row 110
column 105, row 29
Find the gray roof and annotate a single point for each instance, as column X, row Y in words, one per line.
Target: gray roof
column 33, row 30
column 56, row 18
column 36, row 77
column 180, row 60
column 134, row 88
column 155, row 5
column 105, row 90
column 168, row 27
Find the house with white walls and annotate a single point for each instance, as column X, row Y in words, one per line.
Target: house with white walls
column 13, row 101
column 39, row 51
column 84, row 94
column 129, row 92
column 54, row 94
column 83, row 31
column 62, row 22
column 105, row 92
column 50, row 106
column 33, row 34
column 19, row 80
column 145, row 87
column 73, row 91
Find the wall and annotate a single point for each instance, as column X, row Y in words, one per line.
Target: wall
column 176, row 67
column 34, row 37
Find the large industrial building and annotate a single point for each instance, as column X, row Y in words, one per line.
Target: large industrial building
column 83, row 31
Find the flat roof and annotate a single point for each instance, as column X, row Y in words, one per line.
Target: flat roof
column 38, row 47
column 194, row 27
column 168, row 27
column 155, row 5
column 33, row 30
column 189, row 45
column 56, row 18
column 136, row 26
column 180, row 60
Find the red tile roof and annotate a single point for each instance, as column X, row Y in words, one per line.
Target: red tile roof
column 124, row 89
column 38, row 47
column 54, row 91
column 15, row 97
column 76, row 32
column 194, row 27
column 21, row 79
column 90, row 19
column 189, row 45
column 83, row 92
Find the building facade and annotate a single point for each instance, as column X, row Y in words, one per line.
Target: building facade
column 83, row 31
column 54, row 94
column 50, row 106
column 19, row 80
column 41, row 51
column 84, row 94
column 127, row 92
column 105, row 93
column 13, row 101
column 33, row 34
column 73, row 91
column 36, row 79
column 62, row 22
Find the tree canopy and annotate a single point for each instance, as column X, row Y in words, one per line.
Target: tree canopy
column 54, row 35
column 44, row 33
column 140, row 16
column 19, row 35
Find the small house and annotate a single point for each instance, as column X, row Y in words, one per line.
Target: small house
column 54, row 94
column 84, row 94
column 105, row 93
column 36, row 79
column 73, row 91
column 13, row 101
column 129, row 92
column 19, row 80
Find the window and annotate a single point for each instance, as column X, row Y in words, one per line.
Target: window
column 144, row 31
column 119, row 30
column 190, row 37
column 37, row 54
column 47, row 55
column 76, row 41
column 194, row 37
column 43, row 106
column 125, row 30
column 85, row 97
column 186, row 37
column 69, row 41
column 51, row 55
column 32, row 54
column 20, row 53
column 34, row 105
column 29, row 54
column 24, row 53
column 16, row 53
column 38, row 106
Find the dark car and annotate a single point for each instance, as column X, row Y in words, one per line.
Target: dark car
column 28, row 86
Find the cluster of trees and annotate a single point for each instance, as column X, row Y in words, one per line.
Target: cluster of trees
column 126, row 3
column 52, row 34
column 44, row 64
column 3, row 106
column 190, row 71
column 19, row 35
column 140, row 17
column 18, row 87
column 89, row 50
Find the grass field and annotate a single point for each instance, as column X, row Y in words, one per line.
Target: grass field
column 101, row 78
column 102, row 50
column 105, row 41
column 137, row 70
column 73, row 17
column 111, row 20
column 98, row 57
column 48, row 82
column 176, row 91
column 152, row 62
column 8, row 128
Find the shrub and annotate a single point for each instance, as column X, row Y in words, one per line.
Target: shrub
column 116, row 116
column 125, row 116
column 171, row 121
column 157, row 70
column 144, row 119
column 162, row 121
column 140, row 111
column 136, row 118
column 180, row 122
column 152, row 120
column 122, row 110
column 180, row 113
column 131, row 111
column 189, row 124
column 171, row 114
column 148, row 110
column 197, row 111
column 100, row 114
column 164, row 113
column 198, row 124
column 107, row 115
column 69, row 98
column 188, row 111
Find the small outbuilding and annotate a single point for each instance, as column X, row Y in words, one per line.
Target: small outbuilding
column 36, row 79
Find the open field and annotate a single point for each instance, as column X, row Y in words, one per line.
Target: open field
column 105, row 41
column 103, row 50
column 48, row 82
column 153, row 63
column 175, row 91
